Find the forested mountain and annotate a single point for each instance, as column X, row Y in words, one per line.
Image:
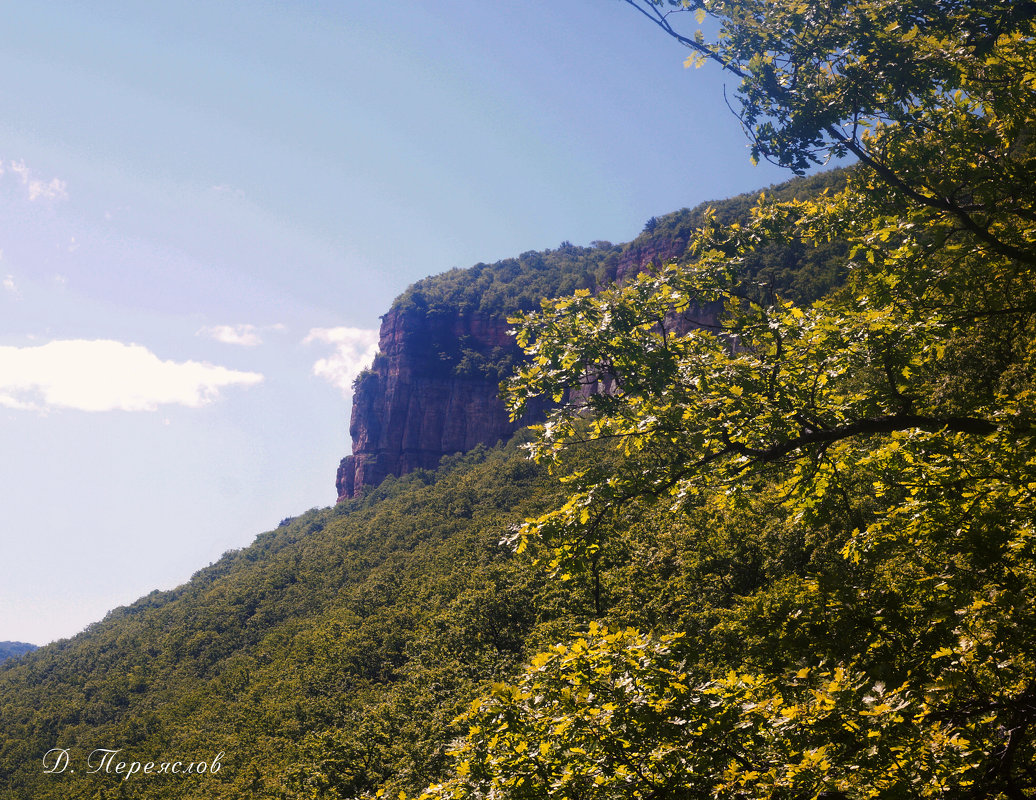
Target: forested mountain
column 791, row 556
column 446, row 344
column 332, row 656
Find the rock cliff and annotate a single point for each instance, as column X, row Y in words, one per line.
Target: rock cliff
column 433, row 389
column 434, row 386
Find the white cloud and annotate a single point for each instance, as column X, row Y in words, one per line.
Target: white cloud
column 244, row 335
column 9, row 284
column 355, row 349
column 54, row 189
column 105, row 375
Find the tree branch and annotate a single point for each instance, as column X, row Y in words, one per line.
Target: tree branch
column 887, row 424
column 936, row 203
column 662, row 22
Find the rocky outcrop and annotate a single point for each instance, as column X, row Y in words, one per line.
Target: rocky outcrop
column 434, row 387
column 650, row 250
column 433, row 390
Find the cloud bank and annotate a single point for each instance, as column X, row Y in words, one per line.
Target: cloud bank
column 106, row 375
column 355, row 349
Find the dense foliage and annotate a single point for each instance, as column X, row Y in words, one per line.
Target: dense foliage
column 863, row 467
column 331, row 655
column 519, row 284
column 514, row 283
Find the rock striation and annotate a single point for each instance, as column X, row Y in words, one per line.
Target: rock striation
column 433, row 390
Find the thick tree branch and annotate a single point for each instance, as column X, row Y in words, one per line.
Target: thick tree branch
column 865, row 427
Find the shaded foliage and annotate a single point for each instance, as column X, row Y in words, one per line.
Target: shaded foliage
column 14, row 649
column 353, row 634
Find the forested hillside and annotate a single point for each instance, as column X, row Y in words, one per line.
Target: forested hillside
column 791, row 557
column 332, row 657
column 337, row 648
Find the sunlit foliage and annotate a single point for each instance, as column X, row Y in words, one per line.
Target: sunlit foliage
column 883, row 434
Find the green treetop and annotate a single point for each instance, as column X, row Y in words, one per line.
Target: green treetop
column 886, row 428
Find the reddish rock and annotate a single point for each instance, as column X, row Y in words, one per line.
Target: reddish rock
column 656, row 250
column 425, row 397
column 432, row 390
column 416, row 406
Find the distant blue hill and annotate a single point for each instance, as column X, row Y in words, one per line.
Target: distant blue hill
column 13, row 649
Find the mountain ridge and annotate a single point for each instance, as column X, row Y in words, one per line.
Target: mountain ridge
column 15, row 649
column 445, row 345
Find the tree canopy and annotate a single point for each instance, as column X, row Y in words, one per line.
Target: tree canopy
column 883, row 435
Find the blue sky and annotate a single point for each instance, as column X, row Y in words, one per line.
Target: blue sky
column 204, row 208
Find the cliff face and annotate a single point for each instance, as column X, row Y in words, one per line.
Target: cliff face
column 650, row 250
column 432, row 391
column 434, row 388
